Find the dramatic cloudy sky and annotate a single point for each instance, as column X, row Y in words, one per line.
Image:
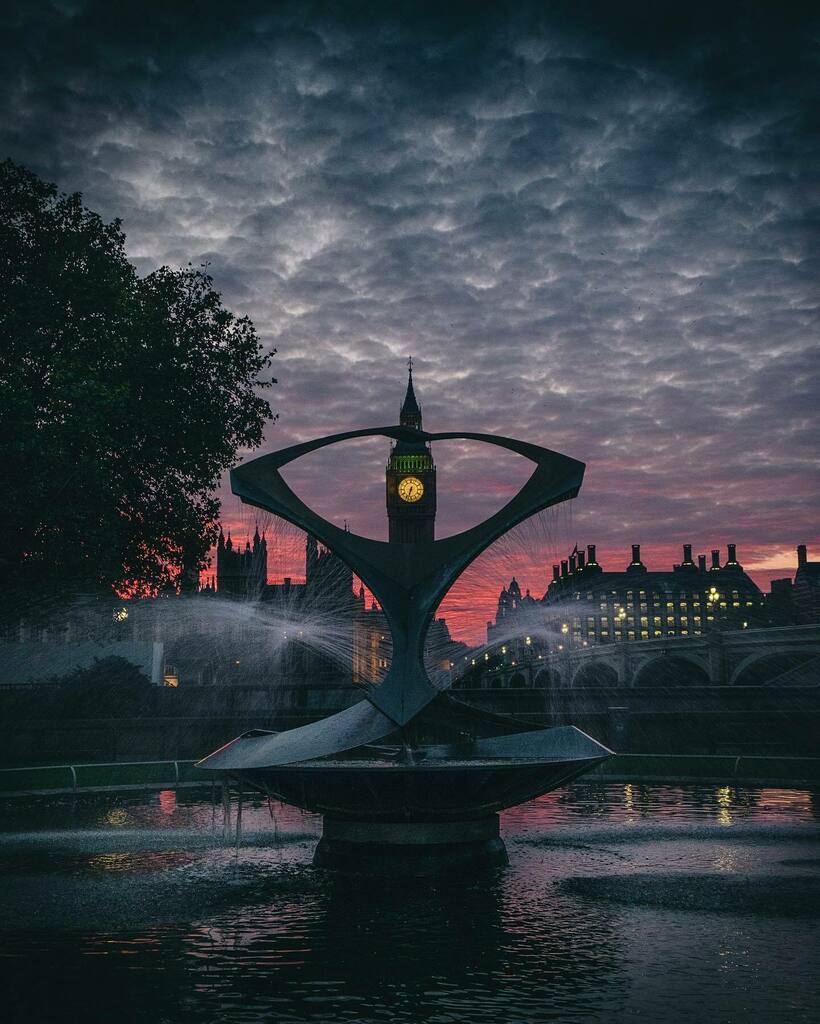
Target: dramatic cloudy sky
column 592, row 229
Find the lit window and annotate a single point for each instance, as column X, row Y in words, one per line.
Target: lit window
column 644, row 634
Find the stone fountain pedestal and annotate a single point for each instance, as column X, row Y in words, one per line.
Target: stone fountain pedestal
column 410, row 848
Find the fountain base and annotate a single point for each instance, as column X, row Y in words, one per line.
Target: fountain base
column 409, row 847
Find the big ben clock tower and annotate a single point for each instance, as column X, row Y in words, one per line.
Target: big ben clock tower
column 411, row 480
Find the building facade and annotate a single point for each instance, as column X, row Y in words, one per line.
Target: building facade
column 586, row 604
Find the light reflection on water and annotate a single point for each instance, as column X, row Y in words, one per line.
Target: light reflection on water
column 621, row 901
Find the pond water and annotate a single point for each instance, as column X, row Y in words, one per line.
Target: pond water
column 621, row 902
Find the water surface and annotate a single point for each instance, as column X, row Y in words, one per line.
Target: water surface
column 621, row 902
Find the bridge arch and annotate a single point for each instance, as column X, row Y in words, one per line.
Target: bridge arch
column 764, row 667
column 517, row 680
column 672, row 670
column 594, row 672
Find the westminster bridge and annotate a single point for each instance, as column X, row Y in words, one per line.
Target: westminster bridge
column 736, row 692
column 732, row 692
column 785, row 656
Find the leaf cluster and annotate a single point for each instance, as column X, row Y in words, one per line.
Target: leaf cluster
column 122, row 401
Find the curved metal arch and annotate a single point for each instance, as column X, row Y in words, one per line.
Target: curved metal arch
column 408, row 580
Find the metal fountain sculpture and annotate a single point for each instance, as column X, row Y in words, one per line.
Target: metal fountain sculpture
column 409, row 777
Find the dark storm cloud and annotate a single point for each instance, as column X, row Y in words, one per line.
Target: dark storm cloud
column 593, row 229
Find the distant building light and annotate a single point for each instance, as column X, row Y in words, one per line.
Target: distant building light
column 120, row 614
column 170, row 680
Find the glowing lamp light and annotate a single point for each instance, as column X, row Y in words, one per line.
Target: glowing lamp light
column 564, row 629
column 528, row 641
column 120, row 614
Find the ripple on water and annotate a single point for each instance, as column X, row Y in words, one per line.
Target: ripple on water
column 664, row 903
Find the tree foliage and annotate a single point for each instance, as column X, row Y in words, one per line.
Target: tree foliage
column 122, row 401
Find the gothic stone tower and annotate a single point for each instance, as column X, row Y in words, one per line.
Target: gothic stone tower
column 411, row 481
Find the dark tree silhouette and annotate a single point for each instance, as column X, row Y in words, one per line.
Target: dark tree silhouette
column 122, row 400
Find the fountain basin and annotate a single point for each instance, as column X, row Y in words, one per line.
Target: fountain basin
column 416, row 808
column 362, row 789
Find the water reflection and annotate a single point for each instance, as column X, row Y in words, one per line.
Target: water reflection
column 621, row 901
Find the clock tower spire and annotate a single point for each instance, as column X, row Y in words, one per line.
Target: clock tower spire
column 411, row 479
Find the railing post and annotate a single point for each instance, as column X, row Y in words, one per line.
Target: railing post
column 73, row 771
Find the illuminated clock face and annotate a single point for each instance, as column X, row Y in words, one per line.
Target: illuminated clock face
column 410, row 488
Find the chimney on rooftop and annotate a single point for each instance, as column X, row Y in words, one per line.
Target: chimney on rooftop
column 564, row 568
column 572, row 563
column 580, row 560
column 802, row 556
column 715, row 558
column 687, row 554
column 591, row 554
column 731, row 552
column 701, row 563
column 556, row 572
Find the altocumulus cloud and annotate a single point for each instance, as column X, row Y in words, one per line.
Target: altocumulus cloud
column 592, row 229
